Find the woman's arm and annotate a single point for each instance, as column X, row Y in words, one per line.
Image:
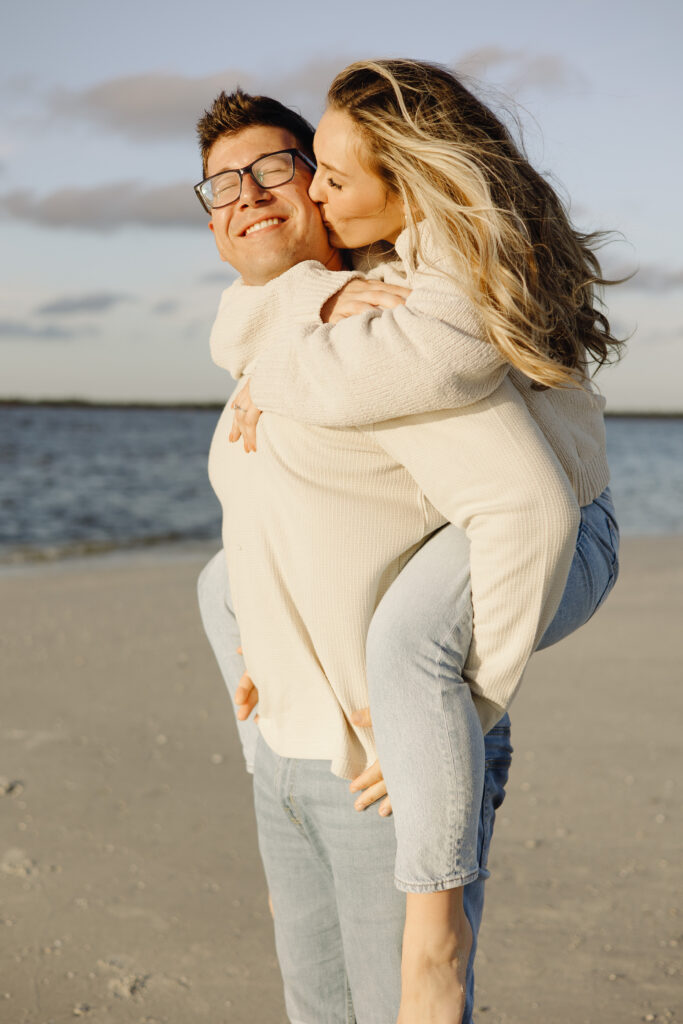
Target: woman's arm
column 490, row 471
column 425, row 355
column 249, row 316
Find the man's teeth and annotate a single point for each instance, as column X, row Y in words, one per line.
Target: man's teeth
column 262, row 224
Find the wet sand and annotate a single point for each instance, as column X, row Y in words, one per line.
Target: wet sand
column 130, row 884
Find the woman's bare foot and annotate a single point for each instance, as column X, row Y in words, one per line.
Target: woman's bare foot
column 437, row 942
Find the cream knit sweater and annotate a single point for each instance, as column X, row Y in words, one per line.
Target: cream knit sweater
column 321, row 519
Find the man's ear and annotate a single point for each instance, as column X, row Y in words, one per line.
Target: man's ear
column 213, row 232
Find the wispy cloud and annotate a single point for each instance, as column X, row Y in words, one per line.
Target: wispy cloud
column 94, row 302
column 652, row 278
column 107, row 207
column 14, row 330
column 519, row 69
column 165, row 307
column 161, row 106
column 225, row 276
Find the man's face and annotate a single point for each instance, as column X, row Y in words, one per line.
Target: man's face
column 297, row 232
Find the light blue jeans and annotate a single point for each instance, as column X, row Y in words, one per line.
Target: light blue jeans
column 338, row 915
column 429, row 740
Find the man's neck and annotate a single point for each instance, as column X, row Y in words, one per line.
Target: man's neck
column 335, row 261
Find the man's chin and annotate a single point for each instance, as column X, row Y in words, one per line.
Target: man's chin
column 268, row 266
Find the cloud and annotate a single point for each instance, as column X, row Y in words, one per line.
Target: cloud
column 165, row 307
column 15, row 329
column 159, row 105
column 162, row 106
column 224, row 276
column 652, row 278
column 518, row 70
column 105, row 208
column 95, row 302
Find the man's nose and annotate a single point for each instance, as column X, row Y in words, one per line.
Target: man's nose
column 252, row 192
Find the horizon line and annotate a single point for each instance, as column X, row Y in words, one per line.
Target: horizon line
column 217, row 404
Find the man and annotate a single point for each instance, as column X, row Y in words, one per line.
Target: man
column 338, row 918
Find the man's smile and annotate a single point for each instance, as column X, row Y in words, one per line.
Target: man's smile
column 260, row 225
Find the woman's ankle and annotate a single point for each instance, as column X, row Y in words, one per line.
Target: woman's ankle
column 436, row 930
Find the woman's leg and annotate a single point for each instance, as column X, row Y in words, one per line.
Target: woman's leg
column 429, row 739
column 431, row 749
column 593, row 573
column 416, row 650
column 220, row 626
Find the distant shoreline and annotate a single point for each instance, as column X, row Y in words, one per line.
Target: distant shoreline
column 82, row 403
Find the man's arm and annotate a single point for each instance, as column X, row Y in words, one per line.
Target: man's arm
column 428, row 354
column 489, row 470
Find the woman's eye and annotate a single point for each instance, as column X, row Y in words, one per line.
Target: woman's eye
column 333, row 184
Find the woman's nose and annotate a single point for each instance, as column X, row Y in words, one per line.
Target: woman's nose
column 315, row 190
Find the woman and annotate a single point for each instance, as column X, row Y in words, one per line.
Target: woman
column 407, row 155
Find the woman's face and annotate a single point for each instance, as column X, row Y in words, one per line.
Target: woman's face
column 355, row 205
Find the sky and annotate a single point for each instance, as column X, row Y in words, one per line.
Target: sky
column 110, row 279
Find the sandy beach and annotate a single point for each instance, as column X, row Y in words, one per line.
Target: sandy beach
column 130, row 884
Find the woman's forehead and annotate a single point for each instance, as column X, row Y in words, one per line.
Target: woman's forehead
column 337, row 143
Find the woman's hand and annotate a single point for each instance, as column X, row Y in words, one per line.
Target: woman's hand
column 359, row 295
column 245, row 420
column 371, row 781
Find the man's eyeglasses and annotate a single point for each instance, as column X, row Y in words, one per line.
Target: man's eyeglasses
column 268, row 171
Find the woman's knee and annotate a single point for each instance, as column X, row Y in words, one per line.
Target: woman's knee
column 420, row 629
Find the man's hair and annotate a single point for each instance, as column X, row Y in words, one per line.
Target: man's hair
column 232, row 112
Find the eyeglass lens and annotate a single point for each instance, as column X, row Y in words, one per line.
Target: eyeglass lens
column 269, row 172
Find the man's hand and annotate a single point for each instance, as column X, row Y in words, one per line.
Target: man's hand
column 358, row 296
column 371, row 781
column 245, row 420
column 246, row 698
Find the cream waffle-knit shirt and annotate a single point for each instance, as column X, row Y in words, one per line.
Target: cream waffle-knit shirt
column 319, row 522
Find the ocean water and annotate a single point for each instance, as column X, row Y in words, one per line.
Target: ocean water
column 75, row 480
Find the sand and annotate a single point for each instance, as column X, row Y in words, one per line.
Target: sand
column 130, row 884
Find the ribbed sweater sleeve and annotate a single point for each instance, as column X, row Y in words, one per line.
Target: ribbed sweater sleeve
column 249, row 317
column 504, row 487
column 427, row 355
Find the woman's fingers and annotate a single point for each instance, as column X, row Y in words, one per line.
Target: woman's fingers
column 359, row 296
column 371, row 285
column 235, row 432
column 245, row 420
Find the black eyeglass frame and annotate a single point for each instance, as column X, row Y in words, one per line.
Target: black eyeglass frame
column 248, row 170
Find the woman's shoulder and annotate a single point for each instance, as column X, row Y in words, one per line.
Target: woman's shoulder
column 379, row 262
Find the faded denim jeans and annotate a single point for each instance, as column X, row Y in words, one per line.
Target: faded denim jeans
column 338, row 914
column 429, row 740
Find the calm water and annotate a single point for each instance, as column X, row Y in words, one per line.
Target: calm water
column 74, row 480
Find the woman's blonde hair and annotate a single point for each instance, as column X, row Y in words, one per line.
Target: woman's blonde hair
column 508, row 237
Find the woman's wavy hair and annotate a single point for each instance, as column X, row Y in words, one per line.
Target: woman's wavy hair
column 509, row 239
